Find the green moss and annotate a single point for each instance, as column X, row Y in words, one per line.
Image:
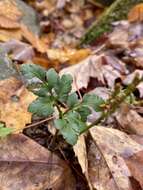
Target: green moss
column 117, row 11
column 104, row 2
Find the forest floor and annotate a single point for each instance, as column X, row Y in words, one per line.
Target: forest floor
column 49, row 34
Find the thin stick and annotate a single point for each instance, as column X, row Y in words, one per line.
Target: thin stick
column 80, row 96
column 40, row 122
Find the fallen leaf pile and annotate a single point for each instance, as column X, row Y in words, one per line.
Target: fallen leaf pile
column 111, row 156
column 47, row 33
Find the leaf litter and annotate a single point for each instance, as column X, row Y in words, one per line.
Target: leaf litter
column 110, row 156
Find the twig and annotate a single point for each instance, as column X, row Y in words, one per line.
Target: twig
column 78, row 91
column 40, row 122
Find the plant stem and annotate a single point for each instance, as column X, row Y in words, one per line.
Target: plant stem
column 40, row 122
column 116, row 102
column 59, row 110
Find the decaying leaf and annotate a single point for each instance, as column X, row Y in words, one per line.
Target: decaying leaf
column 29, row 16
column 9, row 9
column 61, row 3
column 41, row 60
column 130, row 120
column 135, row 164
column 119, row 36
column 124, row 34
column 33, row 39
column 81, row 153
column 92, row 66
column 45, row 5
column 71, row 56
column 8, row 23
column 7, row 67
column 10, row 16
column 99, row 175
column 14, row 101
column 26, row 165
column 19, row 51
column 13, row 14
column 115, row 147
column 6, row 35
column 136, row 13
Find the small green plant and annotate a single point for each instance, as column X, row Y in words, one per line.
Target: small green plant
column 56, row 99
column 4, row 131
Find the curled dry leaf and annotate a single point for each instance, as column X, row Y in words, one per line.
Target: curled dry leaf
column 14, row 101
column 92, row 66
column 116, row 63
column 26, row 165
column 115, row 146
column 130, row 120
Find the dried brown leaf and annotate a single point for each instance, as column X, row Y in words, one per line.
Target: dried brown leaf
column 130, row 120
column 14, row 101
column 81, row 154
column 8, row 23
column 6, row 35
column 92, row 66
column 119, row 36
column 136, row 13
column 33, row 39
column 72, row 56
column 26, row 165
column 135, row 164
column 99, row 175
column 115, row 146
column 9, row 9
column 19, row 51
